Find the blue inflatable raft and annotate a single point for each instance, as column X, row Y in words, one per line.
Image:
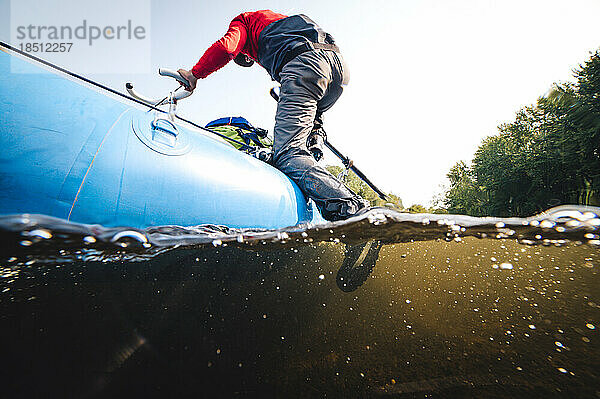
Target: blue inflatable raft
column 79, row 151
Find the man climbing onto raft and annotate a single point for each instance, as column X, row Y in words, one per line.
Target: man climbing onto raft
column 304, row 59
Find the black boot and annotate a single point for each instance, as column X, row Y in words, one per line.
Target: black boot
column 358, row 264
column 335, row 209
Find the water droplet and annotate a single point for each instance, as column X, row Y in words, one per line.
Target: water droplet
column 216, row 243
column 546, row 224
column 89, row 239
column 282, row 236
column 41, row 233
column 506, row 266
column 321, row 276
column 408, row 301
column 26, row 243
column 590, row 326
column 562, row 370
column 136, row 235
column 559, row 344
column 531, row 326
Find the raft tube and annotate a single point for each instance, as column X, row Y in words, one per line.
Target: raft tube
column 73, row 150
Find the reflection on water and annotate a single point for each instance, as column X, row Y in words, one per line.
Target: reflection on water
column 444, row 316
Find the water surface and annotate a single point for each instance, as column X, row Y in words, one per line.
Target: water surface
column 455, row 307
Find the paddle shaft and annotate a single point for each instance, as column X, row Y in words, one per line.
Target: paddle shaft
column 349, row 164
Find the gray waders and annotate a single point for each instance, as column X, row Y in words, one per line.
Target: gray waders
column 310, row 84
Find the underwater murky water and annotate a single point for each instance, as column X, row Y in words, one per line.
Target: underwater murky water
column 455, row 307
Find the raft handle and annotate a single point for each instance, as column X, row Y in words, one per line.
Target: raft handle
column 165, row 126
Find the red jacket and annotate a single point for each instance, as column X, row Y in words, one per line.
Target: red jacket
column 242, row 36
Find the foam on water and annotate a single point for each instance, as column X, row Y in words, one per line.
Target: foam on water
column 49, row 239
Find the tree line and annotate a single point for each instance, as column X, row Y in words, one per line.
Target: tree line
column 549, row 155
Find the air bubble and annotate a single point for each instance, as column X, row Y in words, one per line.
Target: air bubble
column 546, row 224
column 136, row 235
column 40, row 233
column 89, row 239
column 506, row 266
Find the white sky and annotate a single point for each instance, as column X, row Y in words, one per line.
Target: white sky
column 429, row 79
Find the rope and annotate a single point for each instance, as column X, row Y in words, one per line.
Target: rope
column 118, row 93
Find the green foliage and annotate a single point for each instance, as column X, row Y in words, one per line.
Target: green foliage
column 438, row 210
column 464, row 196
column 355, row 184
column 549, row 155
column 418, row 208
